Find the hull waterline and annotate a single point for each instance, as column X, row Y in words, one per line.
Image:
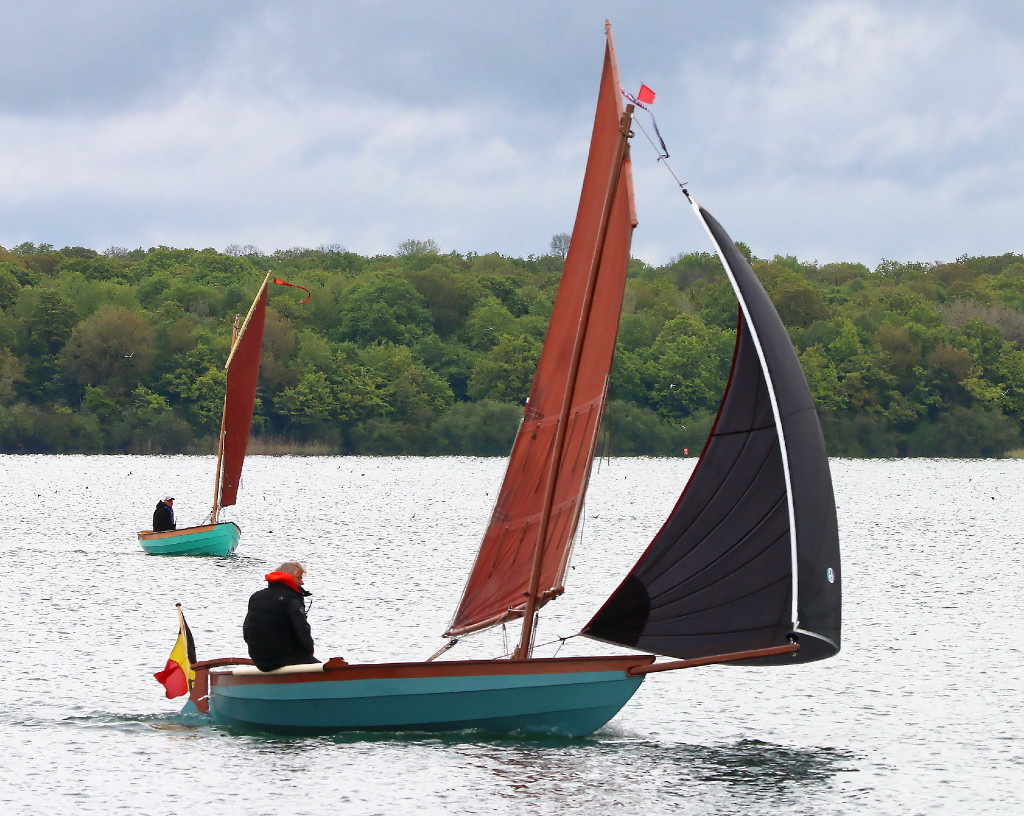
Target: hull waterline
column 562, row 696
column 207, row 539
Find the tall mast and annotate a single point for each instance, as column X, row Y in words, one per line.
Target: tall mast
column 220, row 437
column 525, row 647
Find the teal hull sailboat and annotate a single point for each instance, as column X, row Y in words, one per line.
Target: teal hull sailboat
column 569, row 697
column 745, row 568
column 206, row 539
column 217, row 537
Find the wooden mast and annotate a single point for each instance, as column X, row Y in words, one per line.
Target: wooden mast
column 223, row 421
column 525, row 646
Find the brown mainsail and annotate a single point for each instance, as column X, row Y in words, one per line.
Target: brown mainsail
column 539, row 504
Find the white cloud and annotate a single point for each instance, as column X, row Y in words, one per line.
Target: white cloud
column 862, row 85
column 849, row 130
column 865, row 130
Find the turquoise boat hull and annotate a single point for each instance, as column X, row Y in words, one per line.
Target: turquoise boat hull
column 568, row 697
column 207, row 539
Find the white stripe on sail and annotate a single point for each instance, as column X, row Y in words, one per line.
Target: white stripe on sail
column 775, row 405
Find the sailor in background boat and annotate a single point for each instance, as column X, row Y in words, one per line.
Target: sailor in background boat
column 163, row 516
column 275, row 628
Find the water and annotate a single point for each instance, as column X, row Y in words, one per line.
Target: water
column 920, row 713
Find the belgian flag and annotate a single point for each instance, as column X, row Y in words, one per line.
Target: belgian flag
column 177, row 676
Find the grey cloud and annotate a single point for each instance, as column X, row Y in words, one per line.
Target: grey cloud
column 830, row 130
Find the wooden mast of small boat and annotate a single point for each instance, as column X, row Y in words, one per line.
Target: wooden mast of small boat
column 525, row 642
column 223, row 421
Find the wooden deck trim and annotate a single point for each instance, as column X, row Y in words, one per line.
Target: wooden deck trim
column 334, row 672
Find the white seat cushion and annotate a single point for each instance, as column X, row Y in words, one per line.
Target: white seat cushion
column 299, row 668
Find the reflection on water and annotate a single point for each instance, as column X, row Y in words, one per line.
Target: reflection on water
column 759, row 766
column 749, row 768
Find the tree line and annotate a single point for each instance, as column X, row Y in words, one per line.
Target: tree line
column 420, row 352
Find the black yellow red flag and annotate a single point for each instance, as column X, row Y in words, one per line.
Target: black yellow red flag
column 177, row 676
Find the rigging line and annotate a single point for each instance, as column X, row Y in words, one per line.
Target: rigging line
column 662, row 158
column 663, row 153
column 561, row 641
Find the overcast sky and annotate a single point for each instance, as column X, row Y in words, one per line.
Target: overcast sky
column 851, row 130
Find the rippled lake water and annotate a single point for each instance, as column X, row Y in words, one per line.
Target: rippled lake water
column 921, row 713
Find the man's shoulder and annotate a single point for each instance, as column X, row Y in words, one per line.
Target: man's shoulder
column 276, row 590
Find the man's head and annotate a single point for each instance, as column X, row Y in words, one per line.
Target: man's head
column 293, row 568
column 168, row 499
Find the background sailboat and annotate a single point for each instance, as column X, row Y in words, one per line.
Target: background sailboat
column 217, row 537
column 758, row 509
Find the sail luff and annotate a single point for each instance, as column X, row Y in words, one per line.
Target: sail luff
column 766, row 372
column 558, row 447
column 256, row 303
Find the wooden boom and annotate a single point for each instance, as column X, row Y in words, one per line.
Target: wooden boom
column 711, row 659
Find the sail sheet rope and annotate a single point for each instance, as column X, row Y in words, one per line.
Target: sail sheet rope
column 561, row 641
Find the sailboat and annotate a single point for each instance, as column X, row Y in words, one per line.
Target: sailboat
column 216, row 537
column 745, row 568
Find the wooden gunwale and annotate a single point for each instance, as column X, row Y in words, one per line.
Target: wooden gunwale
column 445, row 668
column 149, row 535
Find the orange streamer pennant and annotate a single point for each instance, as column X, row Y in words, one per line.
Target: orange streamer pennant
column 303, row 288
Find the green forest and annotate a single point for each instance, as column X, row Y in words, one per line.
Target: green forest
column 425, row 353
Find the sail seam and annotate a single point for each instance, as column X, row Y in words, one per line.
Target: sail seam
column 745, row 431
column 741, row 541
column 739, row 454
column 694, row 594
column 714, row 529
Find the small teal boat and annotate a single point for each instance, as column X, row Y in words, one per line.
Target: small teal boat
column 207, row 539
column 243, row 366
column 745, row 567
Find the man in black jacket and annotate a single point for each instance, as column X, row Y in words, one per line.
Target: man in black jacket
column 163, row 516
column 275, row 628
